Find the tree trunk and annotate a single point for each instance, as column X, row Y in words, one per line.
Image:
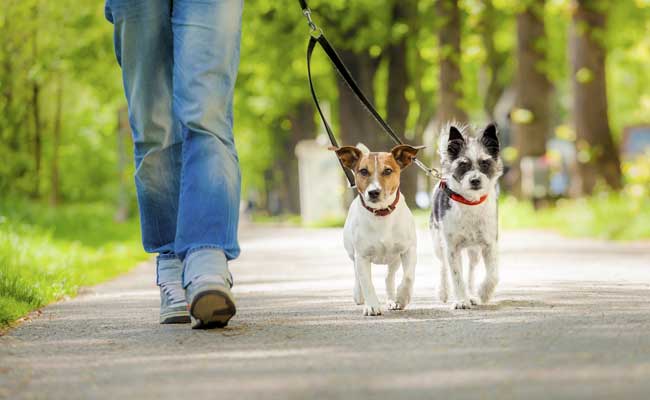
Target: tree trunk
column 398, row 80
column 495, row 61
column 530, row 117
column 356, row 124
column 530, row 114
column 55, row 192
column 598, row 154
column 7, row 83
column 450, row 74
column 302, row 127
column 425, row 101
column 36, row 89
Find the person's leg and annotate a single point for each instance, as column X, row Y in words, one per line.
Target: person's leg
column 206, row 38
column 143, row 46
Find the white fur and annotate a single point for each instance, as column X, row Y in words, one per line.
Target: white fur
column 472, row 229
column 388, row 240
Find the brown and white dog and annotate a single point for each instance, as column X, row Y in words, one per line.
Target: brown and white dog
column 380, row 228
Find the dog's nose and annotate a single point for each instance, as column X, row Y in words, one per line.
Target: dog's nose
column 475, row 183
column 374, row 194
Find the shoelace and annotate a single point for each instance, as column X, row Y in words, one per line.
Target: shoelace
column 173, row 292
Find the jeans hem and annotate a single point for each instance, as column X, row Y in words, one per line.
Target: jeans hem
column 204, row 247
column 166, row 256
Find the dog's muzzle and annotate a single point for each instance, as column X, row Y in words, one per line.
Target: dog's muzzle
column 373, row 195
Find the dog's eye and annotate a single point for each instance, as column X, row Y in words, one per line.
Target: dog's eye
column 387, row 171
column 363, row 172
column 463, row 164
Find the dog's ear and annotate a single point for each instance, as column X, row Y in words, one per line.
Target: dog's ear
column 404, row 154
column 455, row 143
column 349, row 155
column 490, row 140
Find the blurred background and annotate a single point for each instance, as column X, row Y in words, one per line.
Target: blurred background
column 567, row 82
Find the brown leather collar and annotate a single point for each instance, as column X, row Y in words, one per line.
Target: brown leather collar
column 381, row 212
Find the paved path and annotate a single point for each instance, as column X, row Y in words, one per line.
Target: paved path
column 571, row 319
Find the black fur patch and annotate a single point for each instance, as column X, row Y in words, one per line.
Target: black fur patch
column 490, row 140
column 461, row 169
column 455, row 143
column 441, row 203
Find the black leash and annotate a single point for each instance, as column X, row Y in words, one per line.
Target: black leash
column 317, row 37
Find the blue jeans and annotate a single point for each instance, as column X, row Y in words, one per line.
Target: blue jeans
column 179, row 62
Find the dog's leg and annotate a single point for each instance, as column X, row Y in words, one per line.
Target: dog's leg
column 371, row 306
column 390, row 284
column 358, row 293
column 454, row 261
column 490, row 259
column 443, row 286
column 473, row 257
column 405, row 290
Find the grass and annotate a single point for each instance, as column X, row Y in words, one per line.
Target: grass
column 612, row 216
column 47, row 253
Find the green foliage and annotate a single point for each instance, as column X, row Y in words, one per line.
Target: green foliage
column 47, row 253
column 46, row 45
column 69, row 44
column 607, row 215
column 74, row 45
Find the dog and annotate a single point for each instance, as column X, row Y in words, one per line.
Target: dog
column 380, row 228
column 464, row 216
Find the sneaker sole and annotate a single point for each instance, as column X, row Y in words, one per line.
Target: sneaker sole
column 175, row 317
column 212, row 308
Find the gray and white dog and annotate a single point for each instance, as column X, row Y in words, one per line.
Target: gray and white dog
column 464, row 216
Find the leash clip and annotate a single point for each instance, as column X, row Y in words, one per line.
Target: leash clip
column 312, row 26
column 432, row 172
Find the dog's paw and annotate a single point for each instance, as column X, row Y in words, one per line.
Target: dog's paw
column 474, row 301
column 462, row 305
column 404, row 297
column 394, row 305
column 371, row 311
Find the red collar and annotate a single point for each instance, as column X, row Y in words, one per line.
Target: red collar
column 456, row 197
column 381, row 212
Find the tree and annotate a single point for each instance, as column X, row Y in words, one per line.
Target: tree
column 356, row 124
column 598, row 155
column 55, row 186
column 36, row 107
column 397, row 105
column 449, row 36
column 302, row 127
column 496, row 60
column 531, row 114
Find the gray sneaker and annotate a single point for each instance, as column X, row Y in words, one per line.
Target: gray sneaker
column 173, row 307
column 211, row 303
column 207, row 282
